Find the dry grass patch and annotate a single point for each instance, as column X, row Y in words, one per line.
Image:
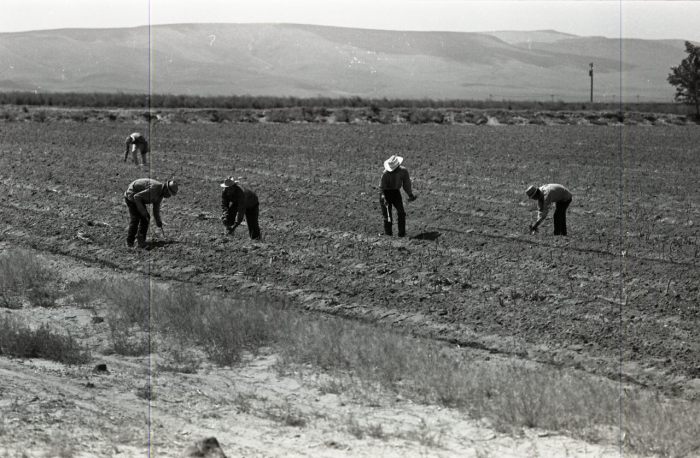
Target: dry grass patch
column 511, row 395
column 19, row 340
column 661, row 426
column 287, row 414
column 24, row 276
column 360, row 356
column 224, row 329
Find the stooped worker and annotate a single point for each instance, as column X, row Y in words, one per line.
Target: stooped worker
column 546, row 195
column 137, row 144
column 238, row 202
column 394, row 178
column 140, row 193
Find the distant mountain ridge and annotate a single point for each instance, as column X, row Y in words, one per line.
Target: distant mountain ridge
column 308, row 61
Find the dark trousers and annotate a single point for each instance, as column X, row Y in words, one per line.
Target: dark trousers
column 137, row 225
column 389, row 199
column 251, row 217
column 135, row 150
column 560, row 217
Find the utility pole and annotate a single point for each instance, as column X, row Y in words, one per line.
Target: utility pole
column 590, row 73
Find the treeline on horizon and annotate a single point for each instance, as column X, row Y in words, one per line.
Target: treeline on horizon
column 156, row 101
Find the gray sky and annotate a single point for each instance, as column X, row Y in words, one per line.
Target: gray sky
column 611, row 18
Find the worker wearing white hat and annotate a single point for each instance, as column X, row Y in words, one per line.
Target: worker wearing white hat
column 394, row 178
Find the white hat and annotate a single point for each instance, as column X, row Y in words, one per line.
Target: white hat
column 393, row 162
column 173, row 187
column 228, row 182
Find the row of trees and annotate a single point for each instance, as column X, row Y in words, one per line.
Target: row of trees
column 129, row 100
column 164, row 101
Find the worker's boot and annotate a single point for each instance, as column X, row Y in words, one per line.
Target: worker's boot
column 402, row 225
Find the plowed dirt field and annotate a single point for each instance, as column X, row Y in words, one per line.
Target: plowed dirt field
column 619, row 295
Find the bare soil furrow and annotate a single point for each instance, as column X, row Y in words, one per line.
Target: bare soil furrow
column 622, row 286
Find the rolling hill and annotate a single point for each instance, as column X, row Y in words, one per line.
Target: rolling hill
column 304, row 60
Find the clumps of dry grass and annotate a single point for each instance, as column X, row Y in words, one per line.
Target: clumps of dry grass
column 660, row 426
column 23, row 276
column 229, row 329
column 287, row 414
column 19, row 340
column 367, row 429
column 146, row 392
column 224, row 329
column 510, row 395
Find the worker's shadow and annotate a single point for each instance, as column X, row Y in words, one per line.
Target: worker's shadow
column 154, row 244
column 430, row 235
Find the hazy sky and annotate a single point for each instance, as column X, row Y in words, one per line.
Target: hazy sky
column 610, row 18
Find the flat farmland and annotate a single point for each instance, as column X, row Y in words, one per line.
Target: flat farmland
column 619, row 295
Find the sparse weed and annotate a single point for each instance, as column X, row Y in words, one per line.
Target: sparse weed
column 146, row 392
column 61, row 451
column 24, row 276
column 427, row 437
column 353, row 427
column 332, row 386
column 178, row 311
column 224, row 329
column 128, row 303
column 243, row 403
column 376, row 431
column 84, row 292
column 128, row 341
column 17, row 339
column 287, row 415
column 511, row 395
column 231, row 331
column 660, row 426
column 180, row 360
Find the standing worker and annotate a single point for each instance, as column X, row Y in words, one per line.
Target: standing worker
column 140, row 193
column 239, row 201
column 395, row 177
column 136, row 143
column 545, row 196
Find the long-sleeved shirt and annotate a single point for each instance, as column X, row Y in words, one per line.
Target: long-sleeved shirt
column 551, row 193
column 147, row 191
column 136, row 139
column 235, row 200
column 396, row 179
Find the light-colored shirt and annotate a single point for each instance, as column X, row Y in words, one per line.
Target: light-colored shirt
column 139, row 140
column 551, row 193
column 147, row 191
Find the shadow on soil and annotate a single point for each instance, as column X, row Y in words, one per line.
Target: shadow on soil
column 158, row 244
column 431, row 235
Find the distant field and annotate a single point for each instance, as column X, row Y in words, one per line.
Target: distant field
column 620, row 292
column 173, row 101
